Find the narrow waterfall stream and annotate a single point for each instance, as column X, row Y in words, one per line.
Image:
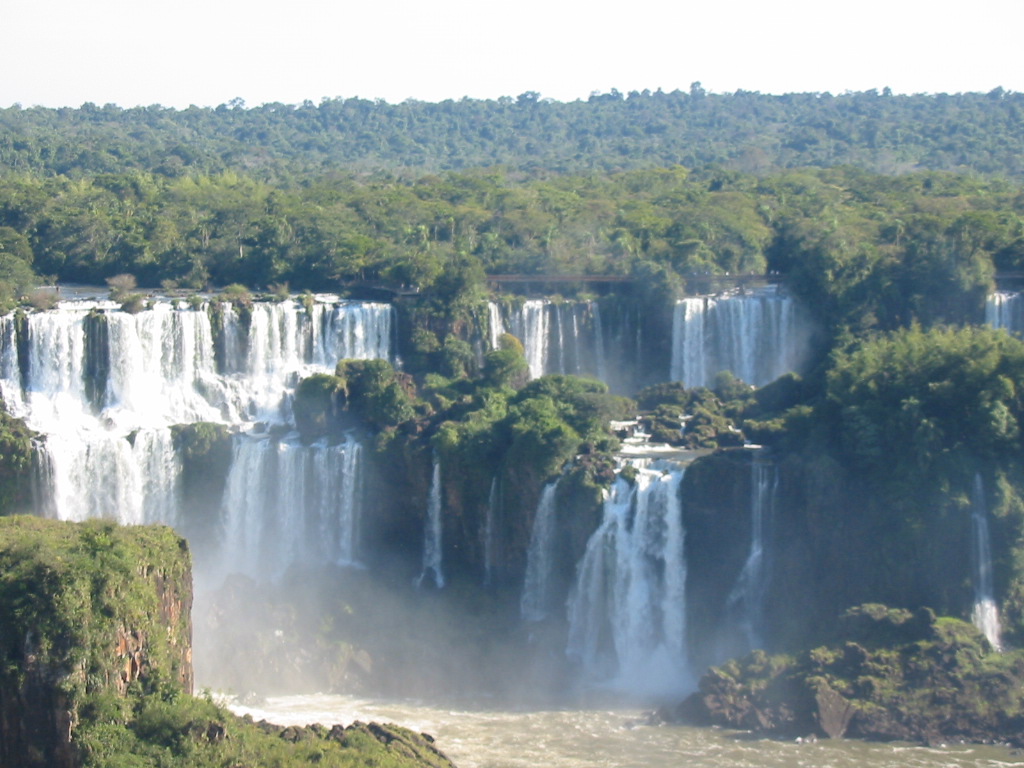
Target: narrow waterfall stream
column 432, row 530
column 985, row 614
column 536, row 599
column 746, row 601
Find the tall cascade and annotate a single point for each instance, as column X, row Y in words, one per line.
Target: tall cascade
column 746, row 601
column 985, row 614
column 758, row 335
column 536, row 599
column 565, row 337
column 627, row 610
column 104, row 387
column 432, row 531
column 285, row 502
column 1005, row 309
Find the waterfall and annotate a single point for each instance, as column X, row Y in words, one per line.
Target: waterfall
column 104, row 387
column 985, row 614
column 1005, row 309
column 565, row 337
column 758, row 336
column 627, row 610
column 746, row 601
column 490, row 532
column 285, row 502
column 536, row 599
column 432, row 531
column 132, row 479
column 530, row 326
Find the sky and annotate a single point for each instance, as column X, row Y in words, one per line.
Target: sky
column 208, row 52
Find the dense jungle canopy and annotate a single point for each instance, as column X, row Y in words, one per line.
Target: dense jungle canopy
column 877, row 207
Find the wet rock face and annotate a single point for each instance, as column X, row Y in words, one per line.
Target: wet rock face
column 85, row 609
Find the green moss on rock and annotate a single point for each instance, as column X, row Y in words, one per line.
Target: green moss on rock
column 85, row 610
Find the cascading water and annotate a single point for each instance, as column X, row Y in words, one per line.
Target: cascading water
column 627, row 610
column 565, row 337
column 535, row 603
column 286, row 502
column 490, row 531
column 985, row 614
column 758, row 336
column 1005, row 309
column 746, row 601
column 432, row 529
column 104, row 387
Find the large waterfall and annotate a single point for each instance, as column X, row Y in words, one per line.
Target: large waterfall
column 627, row 610
column 757, row 335
column 104, row 387
column 985, row 614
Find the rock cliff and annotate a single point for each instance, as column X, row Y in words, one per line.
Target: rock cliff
column 85, row 610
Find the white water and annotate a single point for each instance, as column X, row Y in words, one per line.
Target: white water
column 1005, row 309
column 746, row 601
column 536, row 599
column 565, row 338
column 591, row 736
column 627, row 610
column 985, row 614
column 107, row 449
column 432, row 529
column 758, row 336
column 286, row 502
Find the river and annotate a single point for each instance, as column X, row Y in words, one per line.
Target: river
column 482, row 737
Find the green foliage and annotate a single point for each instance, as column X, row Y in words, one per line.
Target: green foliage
column 375, row 392
column 457, row 358
column 121, row 286
column 915, row 402
column 16, row 452
column 17, row 279
column 205, row 451
column 316, row 407
column 72, row 589
column 370, row 392
column 237, row 294
column 506, row 367
column 156, row 732
column 694, row 418
column 742, row 131
column 894, row 674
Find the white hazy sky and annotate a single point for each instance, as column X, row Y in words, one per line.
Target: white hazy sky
column 207, row 52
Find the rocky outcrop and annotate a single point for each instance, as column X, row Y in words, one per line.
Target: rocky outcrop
column 398, row 743
column 85, row 610
column 896, row 676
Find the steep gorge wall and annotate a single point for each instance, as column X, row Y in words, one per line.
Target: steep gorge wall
column 86, row 610
column 835, row 541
